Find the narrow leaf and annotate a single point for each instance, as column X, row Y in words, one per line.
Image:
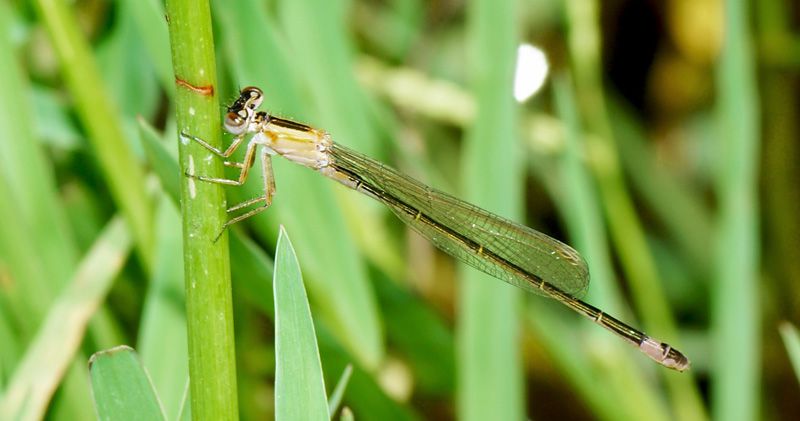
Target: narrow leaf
column 121, row 387
column 338, row 391
column 791, row 340
column 48, row 357
column 299, row 387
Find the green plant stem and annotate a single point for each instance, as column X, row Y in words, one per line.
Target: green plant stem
column 206, row 262
column 117, row 161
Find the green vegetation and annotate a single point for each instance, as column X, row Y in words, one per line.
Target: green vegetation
column 667, row 157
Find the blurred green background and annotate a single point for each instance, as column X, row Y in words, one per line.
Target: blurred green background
column 662, row 145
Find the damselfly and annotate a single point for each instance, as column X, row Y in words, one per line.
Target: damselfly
column 502, row 248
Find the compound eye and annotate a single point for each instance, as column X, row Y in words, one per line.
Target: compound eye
column 235, row 124
column 252, row 96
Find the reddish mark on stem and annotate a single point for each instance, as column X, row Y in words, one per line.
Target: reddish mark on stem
column 207, row 90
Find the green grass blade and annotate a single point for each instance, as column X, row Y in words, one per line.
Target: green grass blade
column 129, row 79
column 735, row 310
column 11, row 352
column 26, row 306
column 280, row 83
column 625, row 226
column 489, row 361
column 40, row 372
column 677, row 205
column 103, row 123
column 615, row 363
column 791, row 340
column 778, row 42
column 299, row 386
column 565, row 351
column 162, row 162
column 580, row 204
column 162, row 342
column 186, row 405
column 25, row 167
column 212, row 363
column 252, row 270
column 148, row 16
column 27, row 303
column 121, row 388
column 321, row 53
column 42, row 252
column 338, row 392
column 61, row 132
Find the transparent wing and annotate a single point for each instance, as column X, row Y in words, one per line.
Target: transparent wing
column 535, row 253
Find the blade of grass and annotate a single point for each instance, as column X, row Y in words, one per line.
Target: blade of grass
column 163, row 163
column 579, row 202
column 338, row 392
column 781, row 169
column 85, row 211
column 186, row 405
column 130, row 79
column 791, row 340
column 36, row 247
column 11, row 351
column 489, row 365
column 152, row 29
column 101, row 119
column 625, row 227
column 162, row 339
column 38, row 213
column 61, row 131
column 677, row 205
column 321, row 53
column 299, row 387
column 39, row 373
column 28, row 295
column 565, row 351
column 26, row 299
column 212, row 366
column 121, row 388
column 580, row 206
column 735, row 312
column 24, row 164
column 280, row 82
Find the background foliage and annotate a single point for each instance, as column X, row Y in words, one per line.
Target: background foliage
column 663, row 147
